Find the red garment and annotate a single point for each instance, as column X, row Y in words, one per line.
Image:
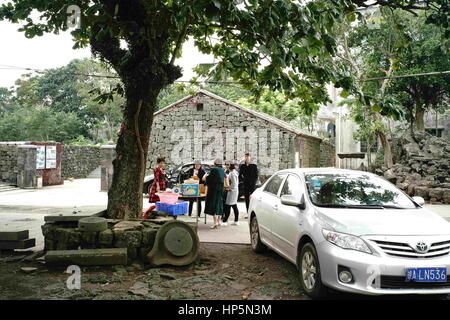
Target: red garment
column 159, row 180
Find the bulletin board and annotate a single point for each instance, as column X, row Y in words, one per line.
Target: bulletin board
column 50, row 157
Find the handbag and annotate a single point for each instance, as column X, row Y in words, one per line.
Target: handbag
column 226, row 183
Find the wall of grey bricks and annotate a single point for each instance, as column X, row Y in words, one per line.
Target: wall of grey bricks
column 327, row 154
column 8, row 163
column 173, row 127
column 79, row 161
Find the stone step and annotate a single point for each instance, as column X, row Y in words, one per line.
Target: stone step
column 14, row 235
column 87, row 257
column 7, row 187
column 96, row 174
column 17, row 244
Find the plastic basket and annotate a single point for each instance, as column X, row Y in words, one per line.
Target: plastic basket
column 181, row 207
column 168, row 197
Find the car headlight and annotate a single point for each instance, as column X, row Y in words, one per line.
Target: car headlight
column 346, row 241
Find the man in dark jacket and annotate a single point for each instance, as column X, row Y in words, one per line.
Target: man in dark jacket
column 248, row 174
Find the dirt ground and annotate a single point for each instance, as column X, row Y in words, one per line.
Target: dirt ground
column 223, row 271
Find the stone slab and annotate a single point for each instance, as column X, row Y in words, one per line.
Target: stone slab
column 87, row 257
column 71, row 217
column 18, row 244
column 14, row 235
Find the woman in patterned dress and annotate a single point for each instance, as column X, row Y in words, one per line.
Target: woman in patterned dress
column 159, row 181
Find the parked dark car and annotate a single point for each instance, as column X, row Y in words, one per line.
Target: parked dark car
column 176, row 176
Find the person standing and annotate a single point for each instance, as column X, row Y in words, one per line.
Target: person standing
column 225, row 189
column 248, row 174
column 214, row 196
column 159, row 180
column 232, row 196
column 196, row 171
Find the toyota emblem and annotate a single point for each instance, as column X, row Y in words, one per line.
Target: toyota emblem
column 421, row 247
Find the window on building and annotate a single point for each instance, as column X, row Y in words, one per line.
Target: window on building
column 363, row 146
column 199, row 106
column 331, row 130
column 435, row 132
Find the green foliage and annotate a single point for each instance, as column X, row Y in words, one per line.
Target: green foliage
column 66, row 90
column 279, row 44
column 7, row 103
column 39, row 124
column 398, row 43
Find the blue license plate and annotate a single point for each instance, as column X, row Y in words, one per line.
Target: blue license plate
column 426, row 274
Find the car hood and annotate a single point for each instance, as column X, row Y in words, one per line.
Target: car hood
column 383, row 221
column 148, row 178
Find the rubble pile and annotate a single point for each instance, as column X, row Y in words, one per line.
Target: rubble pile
column 422, row 167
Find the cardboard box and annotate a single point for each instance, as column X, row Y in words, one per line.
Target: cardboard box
column 190, row 190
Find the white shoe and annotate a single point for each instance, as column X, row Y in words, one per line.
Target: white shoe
column 224, row 223
column 235, row 223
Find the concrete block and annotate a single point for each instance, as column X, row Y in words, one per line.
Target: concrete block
column 105, row 238
column 71, row 217
column 148, row 237
column 14, row 235
column 92, row 224
column 88, row 257
column 18, row 244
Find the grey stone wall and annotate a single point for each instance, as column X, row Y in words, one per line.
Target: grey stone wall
column 327, row 154
column 185, row 132
column 79, row 161
column 8, row 163
column 422, row 167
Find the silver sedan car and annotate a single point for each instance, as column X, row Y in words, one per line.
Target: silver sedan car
column 351, row 231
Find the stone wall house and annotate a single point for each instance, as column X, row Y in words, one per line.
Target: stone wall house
column 205, row 126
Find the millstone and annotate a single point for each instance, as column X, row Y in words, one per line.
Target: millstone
column 178, row 241
column 94, row 224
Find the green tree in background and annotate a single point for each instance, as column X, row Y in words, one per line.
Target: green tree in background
column 391, row 43
column 426, row 52
column 72, row 90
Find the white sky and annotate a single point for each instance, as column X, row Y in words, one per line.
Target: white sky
column 51, row 51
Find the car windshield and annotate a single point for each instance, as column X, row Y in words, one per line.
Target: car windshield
column 354, row 190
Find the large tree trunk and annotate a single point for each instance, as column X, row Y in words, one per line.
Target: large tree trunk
column 388, row 161
column 419, row 119
column 125, row 196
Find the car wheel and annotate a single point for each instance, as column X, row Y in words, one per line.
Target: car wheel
column 309, row 269
column 257, row 245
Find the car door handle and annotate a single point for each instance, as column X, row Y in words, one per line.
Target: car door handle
column 275, row 207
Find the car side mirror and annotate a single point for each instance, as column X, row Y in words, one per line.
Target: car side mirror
column 294, row 201
column 419, row 200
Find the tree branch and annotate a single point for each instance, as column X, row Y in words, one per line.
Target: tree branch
column 180, row 41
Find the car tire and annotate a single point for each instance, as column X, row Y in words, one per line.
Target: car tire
column 255, row 239
column 309, row 272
